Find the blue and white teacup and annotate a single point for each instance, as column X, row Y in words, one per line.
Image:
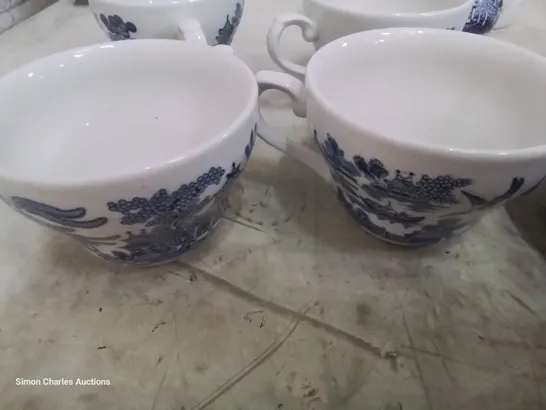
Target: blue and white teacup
column 484, row 16
column 418, row 141
column 166, row 19
column 324, row 21
column 509, row 13
column 130, row 156
column 491, row 14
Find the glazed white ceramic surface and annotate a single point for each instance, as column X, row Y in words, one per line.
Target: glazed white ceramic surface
column 323, row 21
column 166, row 19
column 127, row 154
column 420, row 134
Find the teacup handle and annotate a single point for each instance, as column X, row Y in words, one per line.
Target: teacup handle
column 309, row 32
column 294, row 88
column 190, row 30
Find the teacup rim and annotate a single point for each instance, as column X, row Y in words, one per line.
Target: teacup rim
column 493, row 155
column 120, row 178
column 465, row 5
column 142, row 3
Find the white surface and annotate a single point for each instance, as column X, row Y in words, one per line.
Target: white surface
column 289, row 304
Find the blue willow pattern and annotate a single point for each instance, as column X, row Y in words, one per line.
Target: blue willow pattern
column 484, row 16
column 366, row 188
column 226, row 33
column 168, row 224
column 67, row 221
column 117, row 28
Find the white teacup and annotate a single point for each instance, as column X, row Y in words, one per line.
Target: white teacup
column 418, row 141
column 326, row 20
column 129, row 155
column 166, row 19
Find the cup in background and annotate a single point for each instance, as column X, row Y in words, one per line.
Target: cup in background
column 323, row 21
column 164, row 19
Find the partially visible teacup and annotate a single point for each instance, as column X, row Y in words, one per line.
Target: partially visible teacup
column 137, row 167
column 323, row 21
column 418, row 141
column 165, row 19
column 484, row 16
column 509, row 13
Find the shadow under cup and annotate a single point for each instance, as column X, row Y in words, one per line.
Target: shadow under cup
column 130, row 148
column 423, row 130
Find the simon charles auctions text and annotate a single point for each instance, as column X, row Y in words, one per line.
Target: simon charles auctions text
column 47, row 381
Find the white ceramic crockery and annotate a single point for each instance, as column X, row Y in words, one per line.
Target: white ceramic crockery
column 323, row 21
column 167, row 19
column 421, row 135
column 128, row 155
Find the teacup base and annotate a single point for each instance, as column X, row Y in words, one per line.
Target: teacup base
column 158, row 258
column 426, row 236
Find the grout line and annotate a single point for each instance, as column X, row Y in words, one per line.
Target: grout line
column 287, row 312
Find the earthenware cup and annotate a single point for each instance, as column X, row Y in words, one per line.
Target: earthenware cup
column 484, row 16
column 166, row 19
column 323, row 21
column 137, row 168
column 418, row 141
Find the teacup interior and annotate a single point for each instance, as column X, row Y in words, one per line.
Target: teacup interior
column 395, row 6
column 119, row 108
column 434, row 87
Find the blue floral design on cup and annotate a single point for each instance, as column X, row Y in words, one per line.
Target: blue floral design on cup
column 160, row 228
column 484, row 16
column 403, row 207
column 226, row 33
column 117, row 28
